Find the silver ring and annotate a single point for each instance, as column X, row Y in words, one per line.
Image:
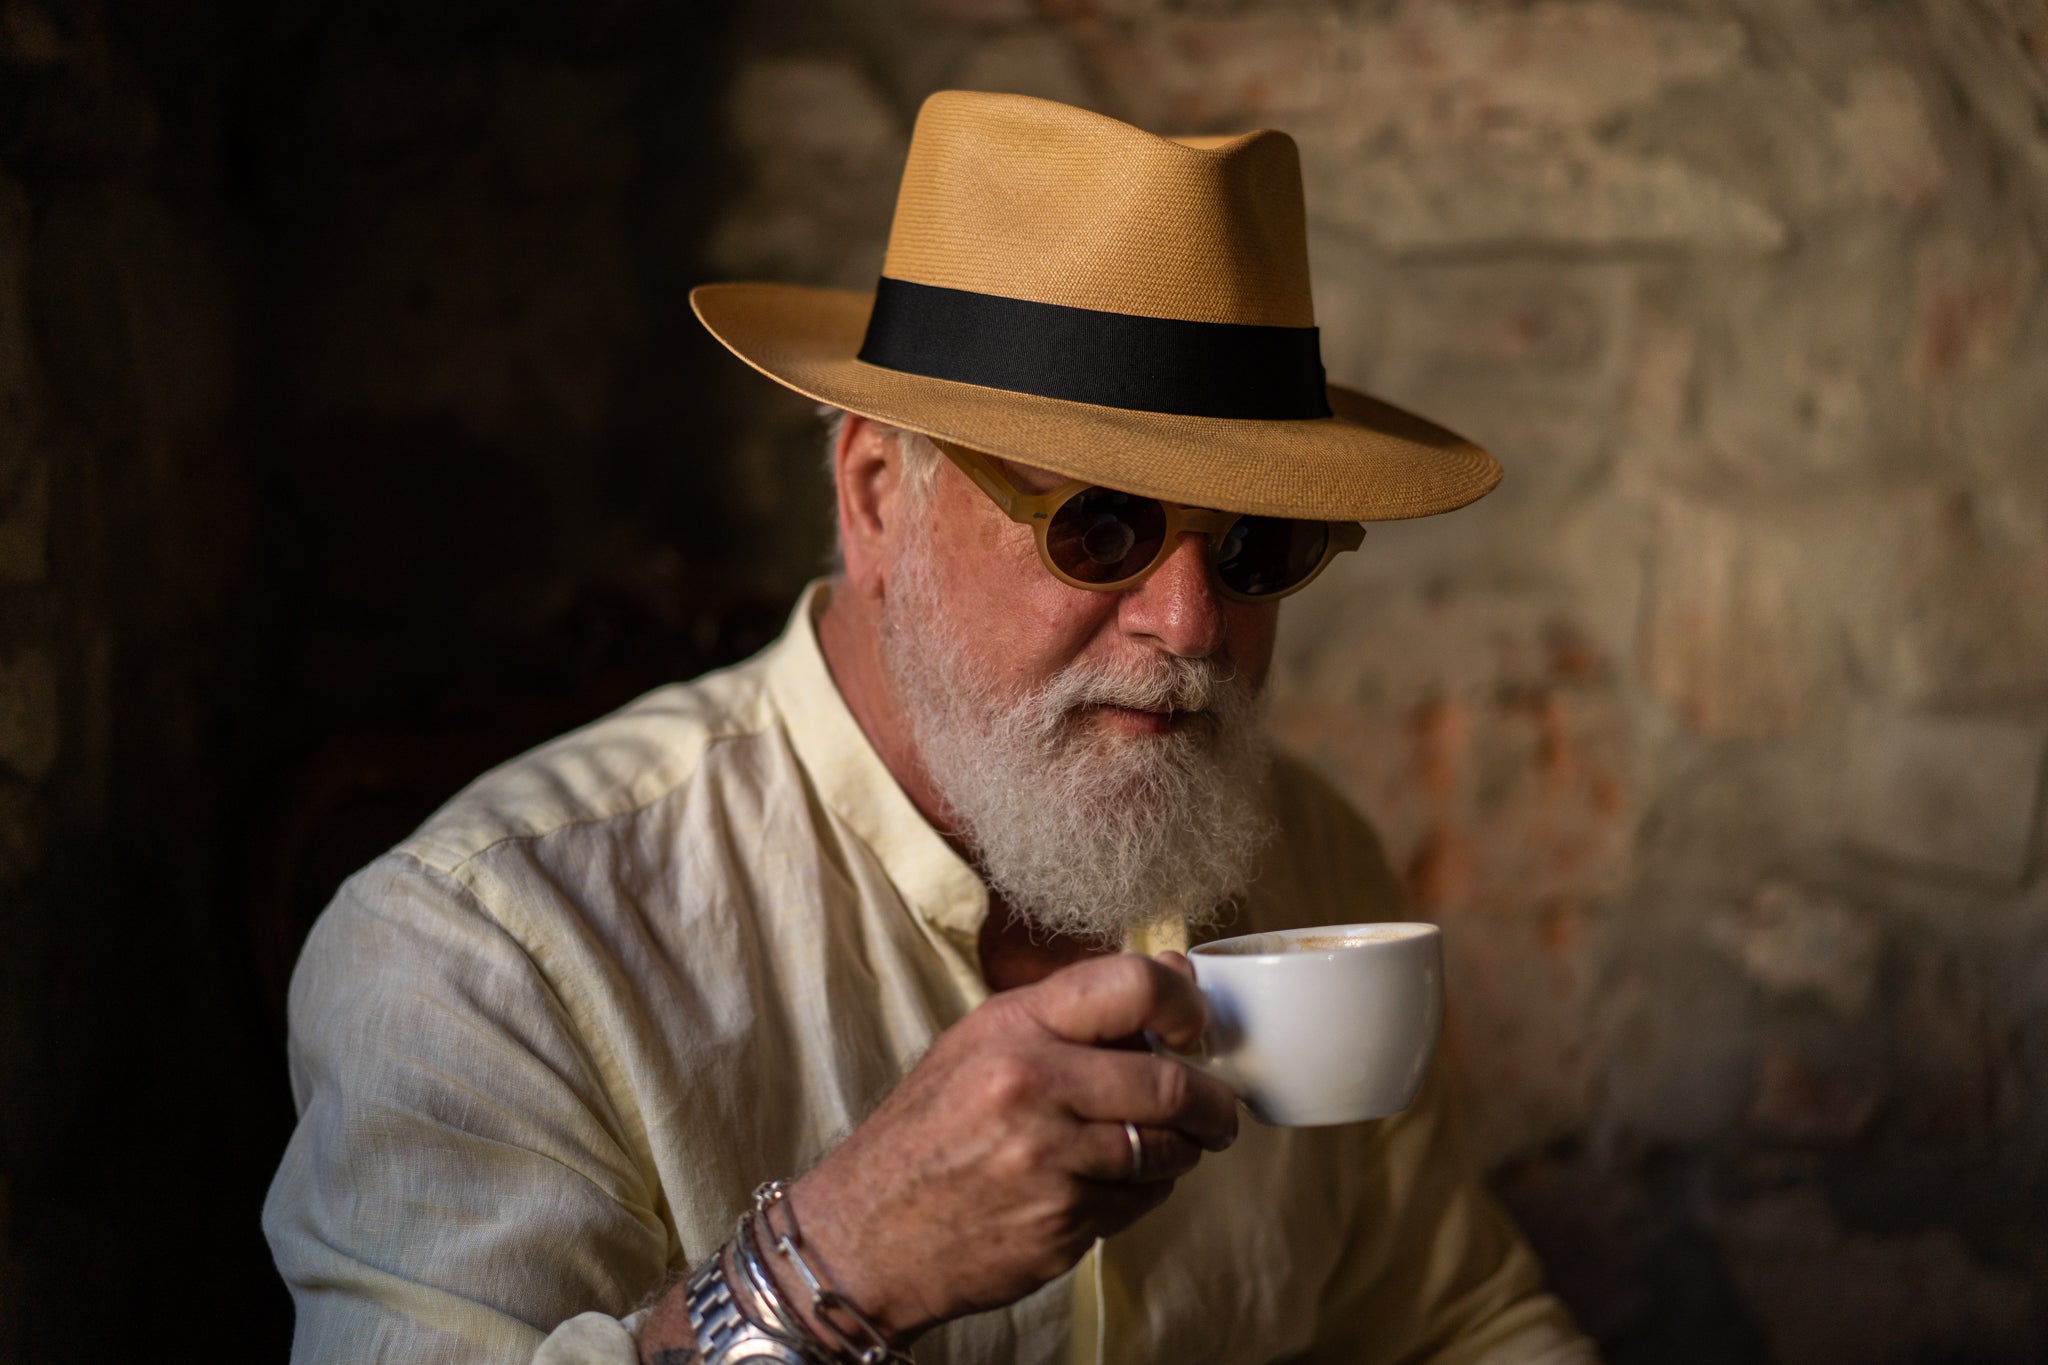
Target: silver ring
column 1137, row 1150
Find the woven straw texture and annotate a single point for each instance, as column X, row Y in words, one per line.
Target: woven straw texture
column 1371, row 462
column 1003, row 194
column 1024, row 198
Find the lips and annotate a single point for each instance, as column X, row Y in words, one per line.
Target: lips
column 1144, row 720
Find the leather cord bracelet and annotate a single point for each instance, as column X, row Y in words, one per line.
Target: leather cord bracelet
column 773, row 1197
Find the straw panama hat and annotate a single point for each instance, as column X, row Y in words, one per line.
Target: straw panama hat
column 1072, row 293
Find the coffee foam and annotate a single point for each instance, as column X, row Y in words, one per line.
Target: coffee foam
column 1311, row 941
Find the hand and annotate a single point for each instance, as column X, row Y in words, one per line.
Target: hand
column 996, row 1162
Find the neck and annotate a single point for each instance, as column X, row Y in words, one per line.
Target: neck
column 1012, row 955
column 850, row 637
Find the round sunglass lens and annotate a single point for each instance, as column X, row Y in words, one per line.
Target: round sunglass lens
column 1102, row 536
column 1261, row 556
column 1108, row 540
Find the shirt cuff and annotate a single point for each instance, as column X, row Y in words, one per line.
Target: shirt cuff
column 592, row 1339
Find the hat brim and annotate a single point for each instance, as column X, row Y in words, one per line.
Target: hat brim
column 1370, row 462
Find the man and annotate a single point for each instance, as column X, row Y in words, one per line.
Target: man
column 847, row 916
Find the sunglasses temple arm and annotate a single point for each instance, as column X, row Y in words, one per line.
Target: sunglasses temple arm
column 986, row 479
column 988, row 483
column 1348, row 535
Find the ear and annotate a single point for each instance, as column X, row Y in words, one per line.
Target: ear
column 868, row 476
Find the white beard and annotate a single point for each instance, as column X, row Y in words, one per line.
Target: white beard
column 1081, row 832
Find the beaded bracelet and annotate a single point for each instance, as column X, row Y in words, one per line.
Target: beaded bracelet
column 774, row 1195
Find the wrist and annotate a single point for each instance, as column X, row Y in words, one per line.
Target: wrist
column 664, row 1336
column 842, row 1248
column 830, row 1283
column 772, row 1280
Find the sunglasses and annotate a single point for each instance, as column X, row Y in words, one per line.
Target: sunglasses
column 1103, row 540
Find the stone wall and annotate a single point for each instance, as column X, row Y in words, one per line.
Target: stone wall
column 354, row 433
column 1715, row 736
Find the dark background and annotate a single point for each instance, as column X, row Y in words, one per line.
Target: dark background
column 351, row 359
column 355, row 434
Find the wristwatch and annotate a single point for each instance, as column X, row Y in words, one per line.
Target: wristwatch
column 724, row 1334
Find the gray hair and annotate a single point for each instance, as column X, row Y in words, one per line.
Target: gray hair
column 918, row 456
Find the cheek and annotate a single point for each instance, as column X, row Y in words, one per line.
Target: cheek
column 1022, row 623
column 1047, row 625
column 988, row 566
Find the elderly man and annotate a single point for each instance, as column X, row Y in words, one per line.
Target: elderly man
column 782, row 1015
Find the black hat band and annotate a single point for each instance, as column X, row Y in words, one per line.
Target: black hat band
column 1082, row 355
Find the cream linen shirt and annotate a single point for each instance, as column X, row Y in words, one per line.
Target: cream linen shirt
column 543, row 1051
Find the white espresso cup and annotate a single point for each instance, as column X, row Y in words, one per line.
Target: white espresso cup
column 1326, row 1025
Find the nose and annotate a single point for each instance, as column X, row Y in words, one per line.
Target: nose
column 1177, row 606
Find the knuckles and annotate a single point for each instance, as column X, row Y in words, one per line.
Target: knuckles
column 1171, row 1002
column 1020, row 1157
column 1010, row 1081
column 997, row 1018
column 988, row 1115
column 1140, row 979
column 1172, row 1088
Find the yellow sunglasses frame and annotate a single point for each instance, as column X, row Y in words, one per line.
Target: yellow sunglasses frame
column 1036, row 511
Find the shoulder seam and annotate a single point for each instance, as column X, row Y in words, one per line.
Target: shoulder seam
column 461, row 859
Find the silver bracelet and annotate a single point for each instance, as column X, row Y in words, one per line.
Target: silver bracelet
column 768, row 1304
column 774, row 1194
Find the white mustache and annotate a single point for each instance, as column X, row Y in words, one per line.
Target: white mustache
column 1170, row 684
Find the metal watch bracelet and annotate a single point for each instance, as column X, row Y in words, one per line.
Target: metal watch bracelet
column 724, row 1335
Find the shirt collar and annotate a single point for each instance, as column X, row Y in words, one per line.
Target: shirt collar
column 858, row 787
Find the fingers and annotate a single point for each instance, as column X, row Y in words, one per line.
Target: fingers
column 1107, row 998
column 1113, row 1086
column 1114, row 1205
column 1102, row 1151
